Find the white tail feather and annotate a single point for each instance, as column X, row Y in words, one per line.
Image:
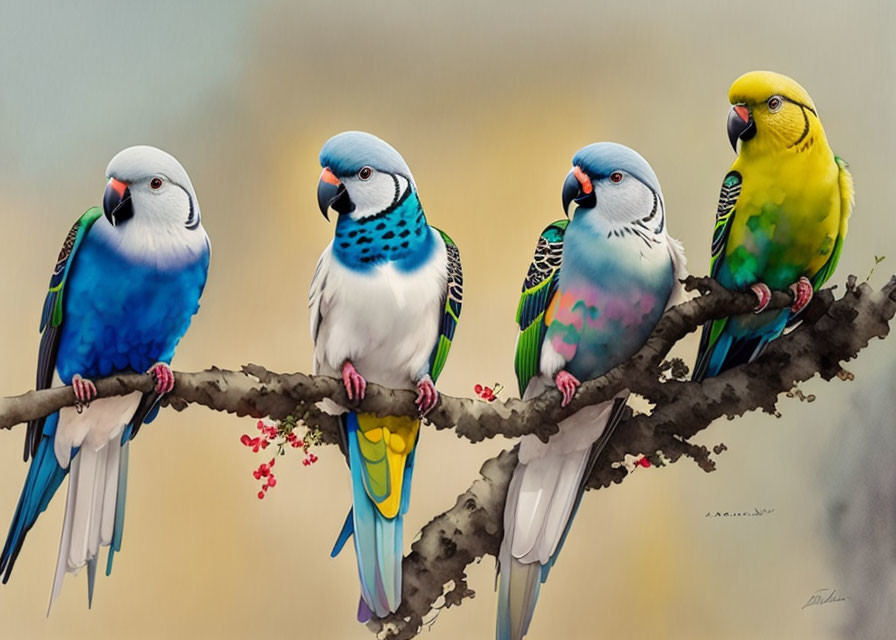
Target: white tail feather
column 562, row 502
column 536, row 487
column 93, row 479
column 113, row 468
column 546, row 484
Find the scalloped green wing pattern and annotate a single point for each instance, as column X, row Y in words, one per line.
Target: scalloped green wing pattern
column 731, row 187
column 539, row 288
column 453, row 300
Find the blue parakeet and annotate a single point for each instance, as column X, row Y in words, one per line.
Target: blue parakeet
column 122, row 293
column 596, row 288
column 385, row 301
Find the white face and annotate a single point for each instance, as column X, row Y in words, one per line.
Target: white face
column 374, row 191
column 165, row 228
column 622, row 200
column 161, row 191
column 160, row 201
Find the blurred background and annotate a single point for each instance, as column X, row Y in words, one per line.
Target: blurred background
column 487, row 102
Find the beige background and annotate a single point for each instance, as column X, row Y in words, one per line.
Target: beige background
column 487, row 102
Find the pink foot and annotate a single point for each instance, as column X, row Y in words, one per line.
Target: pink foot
column 355, row 384
column 164, row 378
column 427, row 396
column 802, row 294
column 567, row 384
column 764, row 295
column 85, row 391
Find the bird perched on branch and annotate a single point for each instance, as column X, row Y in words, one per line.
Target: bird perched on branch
column 596, row 288
column 385, row 300
column 122, row 293
column 782, row 215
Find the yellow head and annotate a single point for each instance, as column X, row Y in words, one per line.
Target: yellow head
column 772, row 112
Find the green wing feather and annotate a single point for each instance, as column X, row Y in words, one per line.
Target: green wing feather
column 52, row 316
column 538, row 290
column 731, row 187
column 452, row 302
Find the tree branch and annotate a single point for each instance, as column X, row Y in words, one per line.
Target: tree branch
column 257, row 392
column 832, row 331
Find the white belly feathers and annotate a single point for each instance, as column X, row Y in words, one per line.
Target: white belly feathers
column 385, row 321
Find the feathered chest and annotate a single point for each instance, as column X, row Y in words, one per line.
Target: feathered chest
column 786, row 222
column 119, row 315
column 608, row 301
column 385, row 320
column 398, row 236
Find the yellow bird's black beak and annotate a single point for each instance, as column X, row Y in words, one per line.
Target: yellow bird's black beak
column 740, row 125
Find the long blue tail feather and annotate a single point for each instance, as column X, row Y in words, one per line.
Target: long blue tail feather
column 378, row 540
column 735, row 347
column 344, row 534
column 43, row 479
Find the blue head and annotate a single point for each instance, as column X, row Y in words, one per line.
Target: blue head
column 362, row 175
column 613, row 183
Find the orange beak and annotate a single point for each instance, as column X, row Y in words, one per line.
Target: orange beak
column 329, row 177
column 118, row 186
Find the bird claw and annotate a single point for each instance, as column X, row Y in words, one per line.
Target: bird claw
column 567, row 385
column 355, row 384
column 427, row 396
column 85, row 391
column 763, row 294
column 163, row 376
column 802, row 294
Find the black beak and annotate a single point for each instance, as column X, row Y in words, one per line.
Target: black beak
column 117, row 202
column 740, row 125
column 572, row 192
column 331, row 193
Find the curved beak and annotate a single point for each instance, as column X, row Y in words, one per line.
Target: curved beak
column 578, row 189
column 740, row 125
column 117, row 202
column 332, row 193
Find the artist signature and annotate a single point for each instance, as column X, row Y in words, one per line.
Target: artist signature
column 756, row 512
column 823, row 596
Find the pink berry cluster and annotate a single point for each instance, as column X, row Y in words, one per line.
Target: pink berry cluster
column 489, row 394
column 281, row 434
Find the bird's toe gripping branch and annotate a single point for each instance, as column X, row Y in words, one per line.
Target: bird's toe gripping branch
column 355, row 384
column 567, row 385
column 802, row 294
column 163, row 376
column 427, row 396
column 763, row 295
column 84, row 389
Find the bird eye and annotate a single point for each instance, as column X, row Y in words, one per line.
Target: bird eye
column 774, row 103
column 365, row 173
column 155, row 183
column 616, row 177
